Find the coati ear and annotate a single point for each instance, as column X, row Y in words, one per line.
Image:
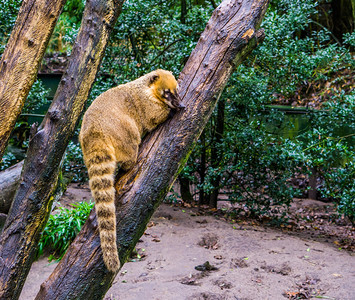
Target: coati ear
column 153, row 78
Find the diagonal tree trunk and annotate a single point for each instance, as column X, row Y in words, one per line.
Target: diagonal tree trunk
column 229, row 36
column 21, row 59
column 32, row 203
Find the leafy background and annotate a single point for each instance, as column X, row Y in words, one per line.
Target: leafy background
column 254, row 151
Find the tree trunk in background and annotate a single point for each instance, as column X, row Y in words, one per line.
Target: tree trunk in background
column 202, row 170
column 343, row 13
column 312, row 192
column 33, row 201
column 21, row 59
column 135, row 51
column 213, row 3
column 215, row 154
column 183, row 12
column 185, row 190
column 229, row 37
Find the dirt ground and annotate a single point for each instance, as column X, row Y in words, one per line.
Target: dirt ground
column 187, row 255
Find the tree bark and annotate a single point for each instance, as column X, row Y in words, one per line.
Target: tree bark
column 343, row 14
column 312, row 192
column 9, row 180
column 2, row 220
column 215, row 154
column 230, row 35
column 202, row 170
column 135, row 51
column 185, row 190
column 183, row 11
column 32, row 202
column 21, row 59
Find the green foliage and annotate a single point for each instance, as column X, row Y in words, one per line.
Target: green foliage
column 329, row 149
column 255, row 163
column 340, row 185
column 8, row 159
column 73, row 165
column 8, row 13
column 349, row 39
column 172, row 197
column 64, row 32
column 148, row 36
column 37, row 98
column 292, row 54
column 73, row 11
column 62, row 228
column 67, row 27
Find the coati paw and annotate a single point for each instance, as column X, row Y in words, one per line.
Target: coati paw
column 128, row 165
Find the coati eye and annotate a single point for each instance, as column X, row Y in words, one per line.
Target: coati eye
column 166, row 93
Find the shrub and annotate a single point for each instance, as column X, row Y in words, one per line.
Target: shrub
column 62, row 228
column 37, row 98
column 255, row 162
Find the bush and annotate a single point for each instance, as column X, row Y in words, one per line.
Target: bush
column 37, row 98
column 255, row 163
column 62, row 228
column 340, row 185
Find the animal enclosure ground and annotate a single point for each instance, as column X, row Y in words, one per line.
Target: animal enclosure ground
column 245, row 261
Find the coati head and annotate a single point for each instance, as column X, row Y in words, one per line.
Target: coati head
column 164, row 86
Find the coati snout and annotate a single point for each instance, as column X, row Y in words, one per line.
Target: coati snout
column 173, row 100
column 110, row 135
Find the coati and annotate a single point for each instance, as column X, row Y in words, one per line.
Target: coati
column 110, row 134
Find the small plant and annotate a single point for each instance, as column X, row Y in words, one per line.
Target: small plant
column 62, row 228
column 172, row 197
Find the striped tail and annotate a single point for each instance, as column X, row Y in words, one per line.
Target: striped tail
column 101, row 168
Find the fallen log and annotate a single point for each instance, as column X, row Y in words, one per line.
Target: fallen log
column 9, row 180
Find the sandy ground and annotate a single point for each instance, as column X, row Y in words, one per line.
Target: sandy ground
column 245, row 262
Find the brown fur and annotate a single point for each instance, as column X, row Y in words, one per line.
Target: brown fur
column 111, row 132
